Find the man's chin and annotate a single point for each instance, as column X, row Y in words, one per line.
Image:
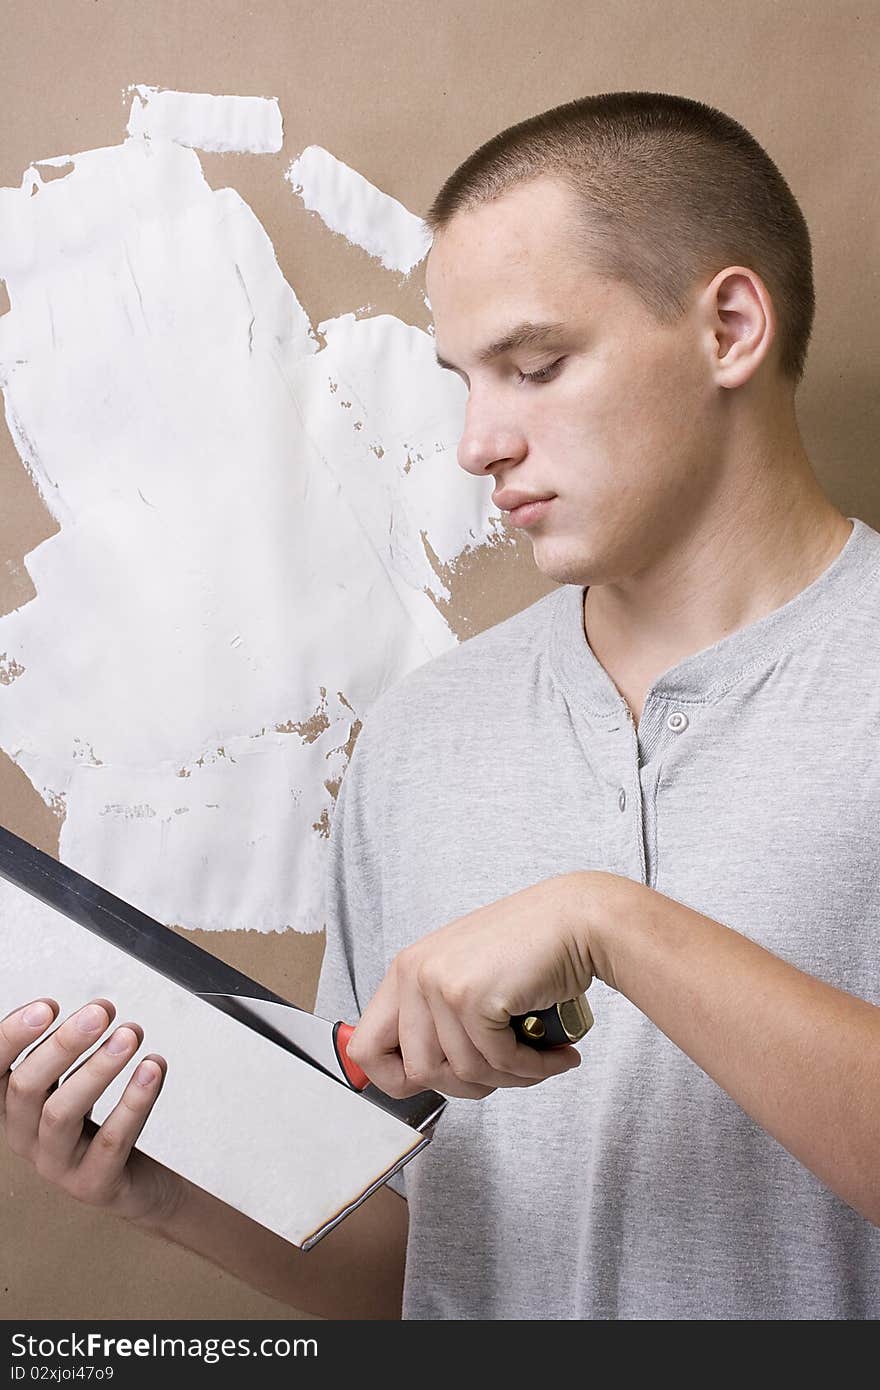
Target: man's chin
column 562, row 564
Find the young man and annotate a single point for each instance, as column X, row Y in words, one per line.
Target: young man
column 661, row 778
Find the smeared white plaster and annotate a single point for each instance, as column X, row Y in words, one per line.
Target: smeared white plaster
column 251, row 125
column 236, row 1114
column 349, row 204
column 240, row 568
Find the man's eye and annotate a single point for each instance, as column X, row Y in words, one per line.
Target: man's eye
column 545, row 374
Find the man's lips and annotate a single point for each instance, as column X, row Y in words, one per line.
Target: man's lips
column 523, row 508
column 508, row 501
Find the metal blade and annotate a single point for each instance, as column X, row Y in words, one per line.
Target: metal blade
column 304, row 1034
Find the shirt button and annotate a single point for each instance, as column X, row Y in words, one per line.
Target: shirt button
column 677, row 722
column 621, row 799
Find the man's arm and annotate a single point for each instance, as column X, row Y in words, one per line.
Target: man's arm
column 801, row 1057
column 356, row 1271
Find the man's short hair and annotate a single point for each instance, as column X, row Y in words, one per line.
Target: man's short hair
column 672, row 191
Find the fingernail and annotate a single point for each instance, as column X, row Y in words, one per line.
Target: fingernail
column 91, row 1018
column 122, row 1041
column 146, row 1073
column 37, row 1015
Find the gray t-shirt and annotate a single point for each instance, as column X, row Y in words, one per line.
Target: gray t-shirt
column 633, row 1187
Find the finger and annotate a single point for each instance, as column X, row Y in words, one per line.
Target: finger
column 448, row 1084
column 374, row 1044
column 102, row 1166
column 420, row 1049
column 503, row 1051
column 18, row 1031
column 31, row 1081
column 425, row 1064
column 61, row 1139
column 465, row 1060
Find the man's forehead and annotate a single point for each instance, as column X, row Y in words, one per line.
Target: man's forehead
column 502, row 283
column 523, row 248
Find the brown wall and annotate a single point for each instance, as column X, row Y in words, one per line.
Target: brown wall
column 403, row 91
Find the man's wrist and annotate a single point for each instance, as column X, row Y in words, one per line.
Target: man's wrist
column 604, row 906
column 180, row 1202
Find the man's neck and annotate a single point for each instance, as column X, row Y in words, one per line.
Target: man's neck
column 726, row 575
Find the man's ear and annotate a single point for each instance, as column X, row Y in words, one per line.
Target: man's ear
column 741, row 324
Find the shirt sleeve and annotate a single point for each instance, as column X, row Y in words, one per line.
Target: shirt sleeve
column 354, row 956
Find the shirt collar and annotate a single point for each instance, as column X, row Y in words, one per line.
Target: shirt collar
column 706, row 675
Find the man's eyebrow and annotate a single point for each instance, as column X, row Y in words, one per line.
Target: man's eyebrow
column 527, row 334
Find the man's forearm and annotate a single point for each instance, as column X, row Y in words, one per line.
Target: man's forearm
column 799, row 1056
column 354, row 1272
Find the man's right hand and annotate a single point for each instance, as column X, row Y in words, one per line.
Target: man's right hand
column 48, row 1124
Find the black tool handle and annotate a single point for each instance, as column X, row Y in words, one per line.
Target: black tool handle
column 557, row 1026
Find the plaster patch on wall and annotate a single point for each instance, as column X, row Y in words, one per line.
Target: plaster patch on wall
column 84, row 753
column 9, row 669
column 349, row 204
column 248, row 125
column 241, row 547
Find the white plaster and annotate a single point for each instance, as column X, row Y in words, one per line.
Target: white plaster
column 251, row 125
column 265, row 1132
column 240, row 545
column 349, row 204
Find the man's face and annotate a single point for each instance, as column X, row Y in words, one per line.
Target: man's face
column 623, row 431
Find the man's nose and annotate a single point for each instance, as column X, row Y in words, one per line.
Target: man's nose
column 489, row 438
